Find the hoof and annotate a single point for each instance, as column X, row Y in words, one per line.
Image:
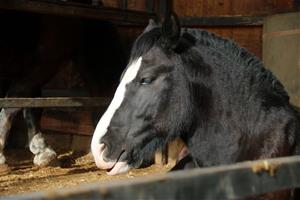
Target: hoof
column 4, row 169
column 2, row 159
column 47, row 157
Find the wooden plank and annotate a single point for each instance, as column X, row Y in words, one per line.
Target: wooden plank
column 150, row 5
column 164, row 7
column 111, row 3
column 215, row 8
column 206, row 8
column 258, row 7
column 54, row 102
column 281, row 50
column 222, row 21
column 79, row 123
column 74, row 10
column 124, row 4
column 223, row 182
column 139, row 5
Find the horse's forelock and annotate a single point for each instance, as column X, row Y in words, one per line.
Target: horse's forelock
column 145, row 42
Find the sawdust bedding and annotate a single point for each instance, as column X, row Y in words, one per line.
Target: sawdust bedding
column 22, row 176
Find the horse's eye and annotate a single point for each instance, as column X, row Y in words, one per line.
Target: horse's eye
column 146, row 81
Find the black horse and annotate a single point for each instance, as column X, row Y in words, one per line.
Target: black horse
column 32, row 50
column 207, row 90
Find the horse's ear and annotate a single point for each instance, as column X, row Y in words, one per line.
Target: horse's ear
column 171, row 30
column 152, row 24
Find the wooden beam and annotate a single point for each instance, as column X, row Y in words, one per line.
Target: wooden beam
column 54, row 102
column 235, row 181
column 150, row 5
column 124, row 4
column 222, row 21
column 61, row 8
column 164, row 8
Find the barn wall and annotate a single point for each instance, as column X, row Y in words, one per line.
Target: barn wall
column 281, row 50
column 231, row 7
column 249, row 37
column 139, row 5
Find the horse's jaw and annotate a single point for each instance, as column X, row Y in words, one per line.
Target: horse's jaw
column 112, row 167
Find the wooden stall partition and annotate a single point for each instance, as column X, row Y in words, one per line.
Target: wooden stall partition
column 281, row 51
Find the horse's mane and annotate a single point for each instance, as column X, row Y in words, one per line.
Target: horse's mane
column 240, row 55
column 223, row 46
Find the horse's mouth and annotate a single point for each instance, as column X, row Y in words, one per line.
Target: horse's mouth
column 114, row 167
column 119, row 166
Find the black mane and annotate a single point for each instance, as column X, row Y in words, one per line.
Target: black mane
column 240, row 55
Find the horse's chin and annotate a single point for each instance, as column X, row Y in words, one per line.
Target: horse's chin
column 118, row 168
column 112, row 167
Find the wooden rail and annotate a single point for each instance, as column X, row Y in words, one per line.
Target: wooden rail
column 61, row 8
column 54, row 102
column 239, row 180
column 222, row 21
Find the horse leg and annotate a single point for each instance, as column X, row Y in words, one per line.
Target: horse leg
column 6, row 116
column 44, row 154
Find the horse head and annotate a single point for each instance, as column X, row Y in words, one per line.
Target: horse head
column 148, row 104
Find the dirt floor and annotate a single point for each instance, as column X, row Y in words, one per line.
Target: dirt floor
column 22, row 176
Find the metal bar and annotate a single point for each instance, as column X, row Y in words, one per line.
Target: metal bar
column 222, row 21
column 235, row 181
column 79, row 10
column 54, row 102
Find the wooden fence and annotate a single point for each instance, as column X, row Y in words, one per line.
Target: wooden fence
column 239, row 180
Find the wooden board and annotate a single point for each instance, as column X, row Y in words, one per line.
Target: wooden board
column 223, row 182
column 222, row 21
column 231, row 7
column 72, row 122
column 139, row 5
column 62, row 8
column 54, row 102
column 281, row 51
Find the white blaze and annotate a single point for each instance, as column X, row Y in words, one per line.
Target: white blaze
column 104, row 122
